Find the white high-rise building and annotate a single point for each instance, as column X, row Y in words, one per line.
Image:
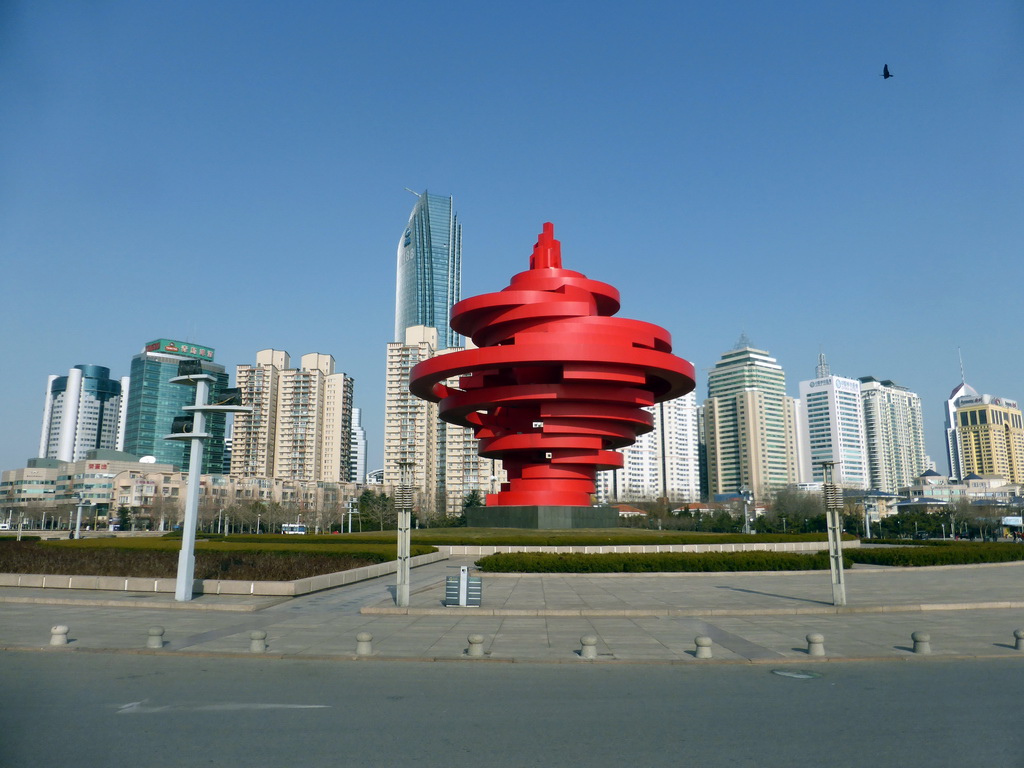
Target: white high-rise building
column 300, row 425
column 663, row 463
column 410, row 424
column 893, row 433
column 953, row 457
column 357, row 452
column 440, row 460
column 832, row 429
column 82, row 412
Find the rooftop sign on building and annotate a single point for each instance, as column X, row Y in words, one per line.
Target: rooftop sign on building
column 182, row 348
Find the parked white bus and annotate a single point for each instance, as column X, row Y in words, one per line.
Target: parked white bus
column 293, row 528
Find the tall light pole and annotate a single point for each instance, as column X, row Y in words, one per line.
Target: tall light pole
column 403, row 505
column 185, row 428
column 82, row 502
column 351, row 511
column 748, row 497
column 833, row 515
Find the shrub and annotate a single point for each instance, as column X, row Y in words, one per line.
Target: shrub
column 214, row 560
column 661, row 562
column 960, row 553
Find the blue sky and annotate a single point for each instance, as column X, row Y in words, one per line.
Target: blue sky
column 233, row 173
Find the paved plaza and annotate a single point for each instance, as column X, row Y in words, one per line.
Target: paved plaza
column 968, row 611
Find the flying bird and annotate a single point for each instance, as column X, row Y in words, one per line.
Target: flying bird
column 885, row 72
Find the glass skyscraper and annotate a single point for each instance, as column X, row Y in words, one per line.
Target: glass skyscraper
column 153, row 403
column 429, row 269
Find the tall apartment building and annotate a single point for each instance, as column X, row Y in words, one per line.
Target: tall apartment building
column 894, row 434
column 954, row 460
column 990, row 437
column 82, row 412
column 440, row 460
column 429, row 279
column 749, row 424
column 831, row 429
column 411, row 425
column 300, row 427
column 663, row 463
column 154, row 403
column 357, row 449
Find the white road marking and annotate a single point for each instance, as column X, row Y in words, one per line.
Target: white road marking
column 141, row 708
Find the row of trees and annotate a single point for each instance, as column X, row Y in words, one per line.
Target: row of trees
column 794, row 511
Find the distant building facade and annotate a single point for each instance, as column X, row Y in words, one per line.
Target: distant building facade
column 440, row 460
column 154, row 403
column 82, row 412
column 429, row 273
column 749, row 424
column 831, row 429
column 357, row 449
column 300, row 427
column 663, row 463
column 893, row 433
column 47, row 492
column 990, row 437
column 954, row 460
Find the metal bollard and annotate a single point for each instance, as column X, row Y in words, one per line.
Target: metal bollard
column 476, row 645
column 815, row 644
column 922, row 642
column 703, row 643
column 59, row 635
column 1018, row 638
column 156, row 637
column 258, row 641
column 589, row 647
column 364, row 644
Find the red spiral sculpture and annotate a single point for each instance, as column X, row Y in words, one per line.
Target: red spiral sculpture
column 556, row 383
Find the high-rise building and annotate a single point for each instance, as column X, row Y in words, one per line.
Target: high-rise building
column 154, row 403
column 663, row 463
column 440, row 460
column 81, row 413
column 990, row 436
column 357, row 449
column 429, row 270
column 955, row 461
column 300, row 427
column 831, row 429
column 749, row 424
column 894, row 434
column 410, row 424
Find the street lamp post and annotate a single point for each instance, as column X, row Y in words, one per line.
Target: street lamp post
column 82, row 503
column 833, row 516
column 190, row 373
column 748, row 496
column 403, row 504
column 352, row 510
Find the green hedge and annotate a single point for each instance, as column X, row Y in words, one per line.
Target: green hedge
column 661, row 562
column 944, row 553
column 22, row 557
column 271, row 545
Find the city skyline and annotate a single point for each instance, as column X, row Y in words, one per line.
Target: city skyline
column 831, row 211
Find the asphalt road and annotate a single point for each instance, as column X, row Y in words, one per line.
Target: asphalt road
column 97, row 709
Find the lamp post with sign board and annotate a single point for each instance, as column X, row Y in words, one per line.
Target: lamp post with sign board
column 193, row 428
